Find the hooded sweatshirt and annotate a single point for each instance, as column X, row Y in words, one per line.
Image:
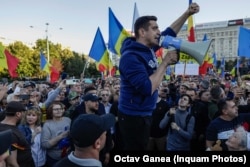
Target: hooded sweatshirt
column 137, row 63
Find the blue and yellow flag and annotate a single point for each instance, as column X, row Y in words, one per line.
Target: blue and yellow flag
column 99, row 52
column 117, row 34
column 44, row 65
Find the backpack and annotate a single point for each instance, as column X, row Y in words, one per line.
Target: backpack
column 186, row 121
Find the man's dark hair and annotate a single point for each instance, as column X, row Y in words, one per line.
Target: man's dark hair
column 201, row 92
column 89, row 88
column 216, row 92
column 222, row 104
column 143, row 22
column 189, row 98
column 192, row 89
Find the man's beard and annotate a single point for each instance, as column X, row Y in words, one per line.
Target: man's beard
column 93, row 110
column 18, row 121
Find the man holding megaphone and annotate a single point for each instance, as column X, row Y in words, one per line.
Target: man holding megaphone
column 141, row 76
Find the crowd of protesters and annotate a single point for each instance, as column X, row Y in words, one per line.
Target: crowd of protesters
column 79, row 124
column 41, row 115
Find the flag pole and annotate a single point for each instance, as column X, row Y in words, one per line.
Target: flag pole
column 109, row 66
column 85, row 66
column 237, row 67
column 185, row 64
column 135, row 16
column 47, row 45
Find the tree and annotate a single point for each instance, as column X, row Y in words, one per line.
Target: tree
column 74, row 65
column 29, row 63
column 63, row 59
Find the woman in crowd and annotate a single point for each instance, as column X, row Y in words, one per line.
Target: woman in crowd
column 31, row 128
column 55, row 132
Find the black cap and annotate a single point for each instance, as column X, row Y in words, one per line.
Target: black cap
column 87, row 128
column 91, row 97
column 15, row 106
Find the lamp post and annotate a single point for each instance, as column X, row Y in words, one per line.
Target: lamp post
column 47, row 41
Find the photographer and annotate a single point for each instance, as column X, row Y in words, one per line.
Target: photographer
column 181, row 125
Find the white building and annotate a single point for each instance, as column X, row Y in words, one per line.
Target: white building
column 223, row 33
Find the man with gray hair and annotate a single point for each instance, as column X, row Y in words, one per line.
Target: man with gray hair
column 238, row 140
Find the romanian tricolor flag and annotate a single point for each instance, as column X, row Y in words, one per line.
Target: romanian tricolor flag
column 99, row 52
column 190, row 30
column 8, row 61
column 117, row 34
column 191, row 37
column 208, row 61
column 44, row 65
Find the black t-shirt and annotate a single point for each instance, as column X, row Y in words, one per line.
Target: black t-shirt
column 19, row 143
column 158, row 114
column 66, row 162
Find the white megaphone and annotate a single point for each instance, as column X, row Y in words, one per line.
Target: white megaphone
column 197, row 50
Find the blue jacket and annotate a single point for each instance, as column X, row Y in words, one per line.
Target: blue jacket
column 137, row 63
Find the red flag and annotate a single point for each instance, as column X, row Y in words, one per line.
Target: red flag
column 54, row 74
column 112, row 71
column 12, row 62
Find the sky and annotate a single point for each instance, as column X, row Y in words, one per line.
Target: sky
column 73, row 23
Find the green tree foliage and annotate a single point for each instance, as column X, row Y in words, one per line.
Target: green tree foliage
column 91, row 71
column 70, row 62
column 74, row 65
column 29, row 63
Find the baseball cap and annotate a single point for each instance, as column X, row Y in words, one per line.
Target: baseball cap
column 5, row 138
column 72, row 95
column 91, row 97
column 87, row 128
column 15, row 106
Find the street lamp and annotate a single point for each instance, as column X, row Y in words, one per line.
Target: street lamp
column 47, row 41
